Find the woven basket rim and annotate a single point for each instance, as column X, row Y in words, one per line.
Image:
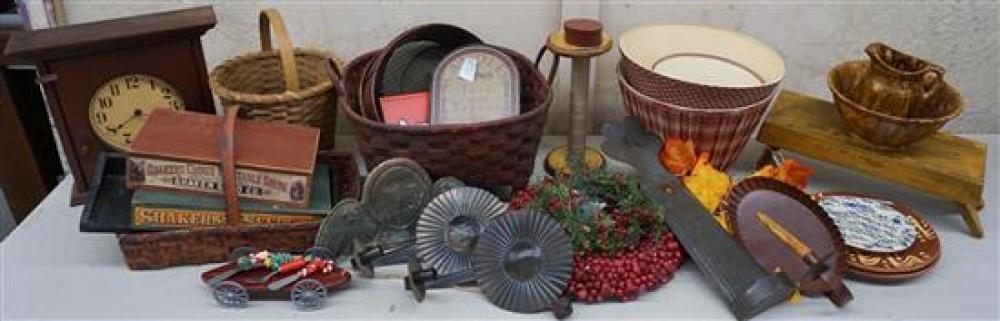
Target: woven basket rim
column 379, row 63
column 445, row 128
column 140, row 238
column 735, row 110
column 224, row 92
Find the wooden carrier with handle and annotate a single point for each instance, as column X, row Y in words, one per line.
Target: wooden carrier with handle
column 201, row 245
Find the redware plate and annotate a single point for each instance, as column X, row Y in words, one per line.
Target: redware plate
column 796, row 212
column 917, row 258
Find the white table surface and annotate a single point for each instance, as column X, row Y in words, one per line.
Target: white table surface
column 51, row 270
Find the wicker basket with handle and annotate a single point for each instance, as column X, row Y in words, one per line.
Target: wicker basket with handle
column 494, row 153
column 285, row 85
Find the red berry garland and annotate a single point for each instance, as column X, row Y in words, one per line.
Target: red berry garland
column 624, row 275
column 622, row 245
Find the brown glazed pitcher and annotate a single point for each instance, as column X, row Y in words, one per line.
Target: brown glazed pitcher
column 896, row 83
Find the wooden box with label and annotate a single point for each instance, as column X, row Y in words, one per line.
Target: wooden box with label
column 180, row 151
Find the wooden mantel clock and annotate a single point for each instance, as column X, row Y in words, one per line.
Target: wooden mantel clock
column 102, row 79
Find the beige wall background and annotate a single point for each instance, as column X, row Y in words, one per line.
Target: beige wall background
column 813, row 36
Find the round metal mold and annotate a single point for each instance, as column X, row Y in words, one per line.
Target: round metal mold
column 451, row 225
column 395, row 192
column 345, row 226
column 411, row 67
column 523, row 262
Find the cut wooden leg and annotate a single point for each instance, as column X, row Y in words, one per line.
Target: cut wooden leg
column 970, row 213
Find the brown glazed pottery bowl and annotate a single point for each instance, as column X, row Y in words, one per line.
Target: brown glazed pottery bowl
column 699, row 66
column 723, row 133
column 883, row 130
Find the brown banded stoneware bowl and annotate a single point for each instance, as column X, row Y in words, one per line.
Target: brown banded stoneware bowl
column 882, row 130
column 699, row 66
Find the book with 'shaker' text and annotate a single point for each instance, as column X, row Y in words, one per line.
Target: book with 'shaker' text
column 181, row 151
column 158, row 209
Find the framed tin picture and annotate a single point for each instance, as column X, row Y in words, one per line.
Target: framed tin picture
column 474, row 84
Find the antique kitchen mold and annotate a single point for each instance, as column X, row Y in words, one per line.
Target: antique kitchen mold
column 523, row 263
column 380, row 228
column 450, row 226
column 346, row 229
column 392, row 197
column 380, row 254
column 396, row 191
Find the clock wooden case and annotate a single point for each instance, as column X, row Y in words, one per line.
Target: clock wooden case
column 102, row 79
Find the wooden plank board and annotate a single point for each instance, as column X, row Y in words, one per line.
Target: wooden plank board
column 942, row 164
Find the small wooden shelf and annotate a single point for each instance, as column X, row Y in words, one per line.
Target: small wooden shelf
column 943, row 164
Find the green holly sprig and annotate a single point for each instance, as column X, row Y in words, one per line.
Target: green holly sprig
column 601, row 211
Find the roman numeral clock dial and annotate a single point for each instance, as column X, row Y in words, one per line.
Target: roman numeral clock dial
column 120, row 106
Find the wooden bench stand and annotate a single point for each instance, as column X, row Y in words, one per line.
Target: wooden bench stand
column 944, row 165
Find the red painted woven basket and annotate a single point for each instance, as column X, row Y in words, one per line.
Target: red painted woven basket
column 723, row 133
column 494, row 153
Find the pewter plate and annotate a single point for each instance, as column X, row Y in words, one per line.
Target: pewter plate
column 870, row 224
column 395, row 193
column 451, row 225
column 345, row 228
column 523, row 261
column 411, row 67
column 446, row 183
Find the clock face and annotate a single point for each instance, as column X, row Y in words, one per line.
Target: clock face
column 474, row 84
column 119, row 107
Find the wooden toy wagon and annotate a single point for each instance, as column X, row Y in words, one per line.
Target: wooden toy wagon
column 304, row 279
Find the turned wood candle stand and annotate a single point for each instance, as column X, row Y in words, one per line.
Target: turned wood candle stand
column 579, row 40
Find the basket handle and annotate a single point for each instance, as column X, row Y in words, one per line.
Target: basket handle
column 555, row 63
column 335, row 75
column 228, row 163
column 271, row 19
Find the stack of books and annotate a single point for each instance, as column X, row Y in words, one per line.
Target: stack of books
column 174, row 167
